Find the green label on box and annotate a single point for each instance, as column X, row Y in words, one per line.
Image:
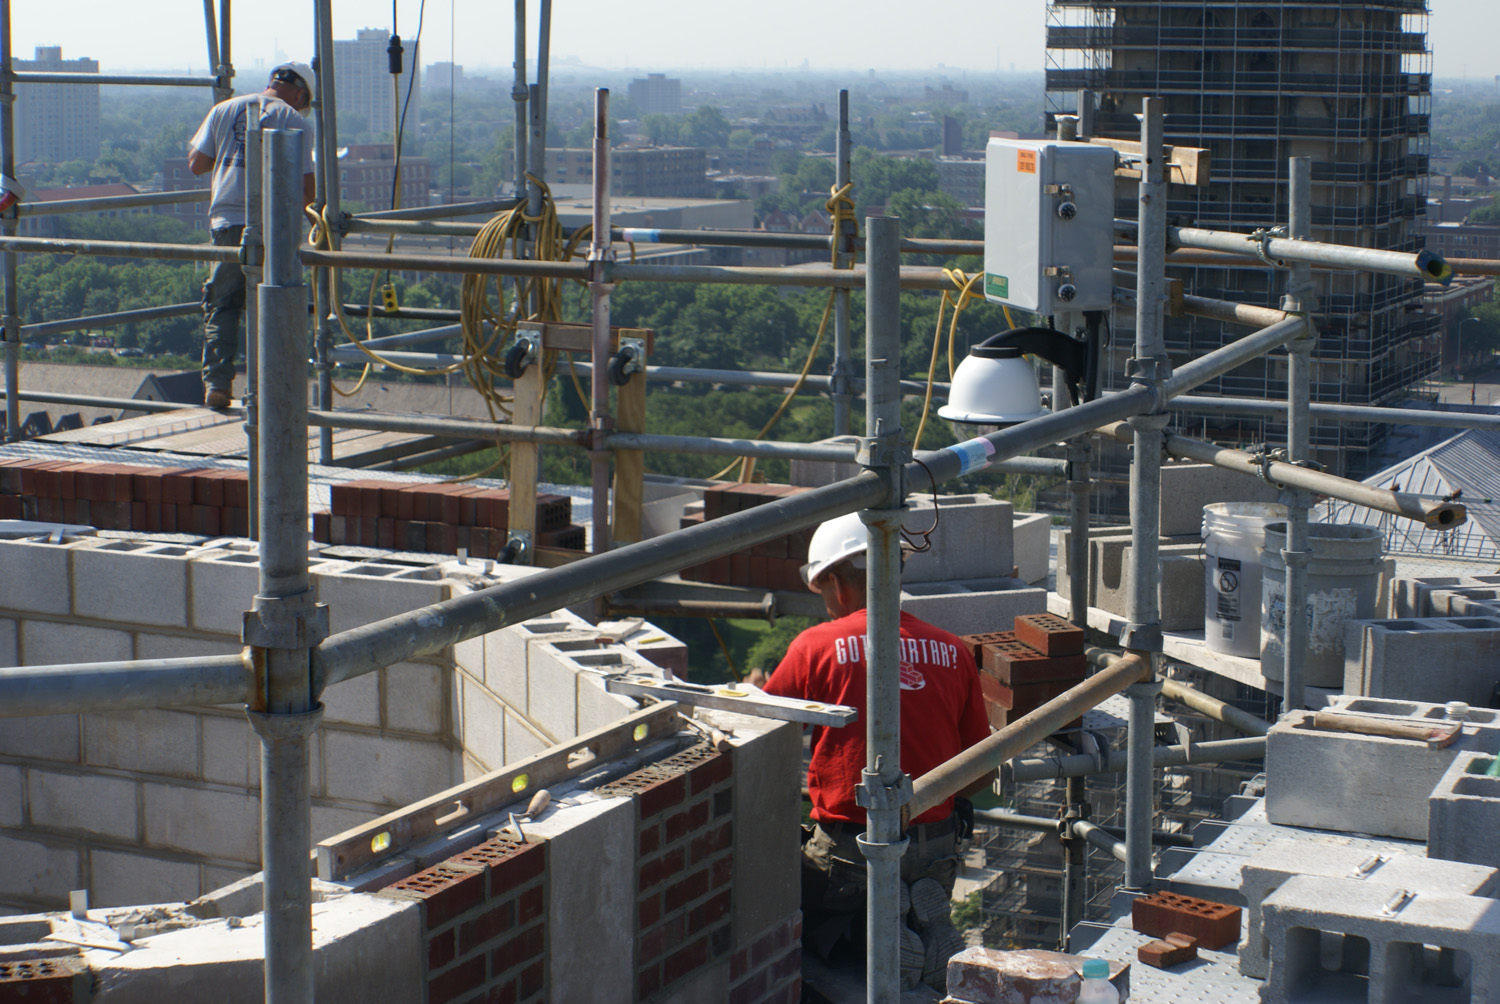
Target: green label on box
column 996, row 285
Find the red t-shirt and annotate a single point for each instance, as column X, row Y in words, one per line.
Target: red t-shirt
column 942, row 711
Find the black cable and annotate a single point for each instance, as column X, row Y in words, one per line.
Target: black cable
column 405, row 105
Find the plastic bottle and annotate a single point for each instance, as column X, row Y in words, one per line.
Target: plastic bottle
column 1096, row 987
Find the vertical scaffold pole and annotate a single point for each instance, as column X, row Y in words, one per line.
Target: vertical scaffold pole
column 1151, row 367
column 11, row 325
column 285, row 622
column 1298, row 438
column 884, row 789
column 844, row 232
column 326, row 201
column 519, row 93
column 600, row 421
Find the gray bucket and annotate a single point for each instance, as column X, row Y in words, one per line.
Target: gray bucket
column 1343, row 576
column 1233, row 535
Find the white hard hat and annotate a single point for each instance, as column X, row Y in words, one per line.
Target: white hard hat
column 841, row 538
column 304, row 73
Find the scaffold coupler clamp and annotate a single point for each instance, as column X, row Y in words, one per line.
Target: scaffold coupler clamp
column 286, row 622
column 1262, row 236
column 1143, row 638
column 1073, row 812
column 873, row 795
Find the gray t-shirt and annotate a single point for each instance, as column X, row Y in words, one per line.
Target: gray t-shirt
column 222, row 137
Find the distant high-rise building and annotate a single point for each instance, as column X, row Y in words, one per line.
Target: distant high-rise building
column 445, row 75
column 363, row 80
column 657, row 94
column 56, row 122
column 1345, row 83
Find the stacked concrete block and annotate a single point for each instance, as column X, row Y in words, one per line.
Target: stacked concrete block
column 974, row 606
column 1465, row 601
column 1356, row 783
column 1031, row 534
column 1186, row 488
column 1423, row 659
column 1180, row 584
column 1414, row 597
column 1281, row 860
column 972, row 539
column 1343, row 939
column 1463, row 812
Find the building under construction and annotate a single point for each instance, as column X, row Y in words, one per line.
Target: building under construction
column 227, row 651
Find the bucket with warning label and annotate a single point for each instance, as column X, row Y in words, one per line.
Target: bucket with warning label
column 1233, row 534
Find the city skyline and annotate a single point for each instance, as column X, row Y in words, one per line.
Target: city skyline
column 875, row 35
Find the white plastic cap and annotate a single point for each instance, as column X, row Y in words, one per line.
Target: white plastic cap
column 993, row 392
column 304, row 73
column 839, row 539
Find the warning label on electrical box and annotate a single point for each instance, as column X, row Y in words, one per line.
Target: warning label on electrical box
column 1026, row 161
column 996, row 285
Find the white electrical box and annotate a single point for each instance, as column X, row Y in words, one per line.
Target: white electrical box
column 1049, row 225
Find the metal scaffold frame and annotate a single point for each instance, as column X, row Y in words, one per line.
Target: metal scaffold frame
column 291, row 658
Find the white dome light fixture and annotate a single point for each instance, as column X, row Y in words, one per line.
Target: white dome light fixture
column 995, row 386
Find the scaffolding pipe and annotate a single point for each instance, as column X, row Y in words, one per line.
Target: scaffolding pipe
column 449, row 428
column 125, row 686
column 1435, row 514
column 119, row 249
column 48, row 77
column 948, row 779
column 1015, row 820
column 445, row 211
column 1230, row 312
column 252, row 243
column 107, row 202
column 1474, row 266
column 92, row 401
column 1423, row 265
column 108, row 320
column 601, row 422
column 327, row 201
column 1298, row 549
column 1338, row 412
column 1219, row 711
column 518, row 94
column 765, row 610
column 1080, row 485
column 1086, row 764
column 842, row 238
column 284, row 620
column 10, row 323
column 1151, row 366
column 1103, row 840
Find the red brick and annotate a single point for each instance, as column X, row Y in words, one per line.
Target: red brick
column 462, row 978
column 146, row 485
column 788, row 965
column 1026, row 699
column 521, row 949
column 648, row 911
column 1214, row 925
column 398, row 534
column 679, row 825
column 647, row 982
column 206, row 521
column 236, row 522
column 517, row 868
column 168, row 518
column 739, row 569
column 1173, row 950
column 706, row 913
column 1015, row 669
column 1049, row 634
column 177, row 485
column 553, row 512
column 655, row 943
column 10, row 507
column 441, row 949
column 711, row 772
column 385, row 533
column 715, row 840
column 445, row 890
column 684, row 892
column 650, row 839
column 685, row 961
column 323, row 527
column 405, row 502
column 997, row 713
column 532, row 979
column 485, row 927
column 658, row 870
column 237, row 489
column 662, row 796
column 723, row 871
column 529, row 905
column 389, row 507
column 750, row 991
column 208, row 488
column 45, row 981
column 495, row 509
column 567, row 537
column 502, row 993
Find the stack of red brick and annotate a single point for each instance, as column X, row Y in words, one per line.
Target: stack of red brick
column 437, row 518
column 1021, row 670
column 207, row 501
column 775, row 564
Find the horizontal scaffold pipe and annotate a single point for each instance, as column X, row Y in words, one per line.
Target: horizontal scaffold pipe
column 119, row 249
column 1100, row 838
column 1474, row 266
column 948, row 779
column 442, row 212
column 104, row 202
column 1231, row 312
column 96, row 401
column 449, row 428
column 1016, row 820
column 126, row 686
column 400, row 313
column 47, row 77
column 1439, row 515
column 1424, row 265
column 1337, row 412
column 438, row 626
column 108, row 320
column 1085, row 764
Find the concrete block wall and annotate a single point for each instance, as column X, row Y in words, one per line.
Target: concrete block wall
column 1413, row 597
column 1180, row 588
column 974, row 606
column 1463, row 812
column 1434, row 659
column 1186, row 488
column 1031, row 534
column 972, row 539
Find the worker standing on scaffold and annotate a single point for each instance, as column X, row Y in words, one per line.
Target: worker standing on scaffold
column 219, row 146
column 942, row 714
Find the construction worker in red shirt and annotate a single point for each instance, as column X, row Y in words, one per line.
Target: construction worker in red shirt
column 942, row 714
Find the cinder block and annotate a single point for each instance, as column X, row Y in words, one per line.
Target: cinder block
column 385, row 770
column 222, row 586
column 176, row 646
column 766, row 813
column 127, row 879
column 231, row 752
column 1463, row 812
column 1355, row 783
column 50, row 737
column 974, row 606
column 37, row 577
column 1456, row 656
column 1187, row 488
column 7, row 644
column 1280, row 860
column 1409, row 597
column 1180, row 586
column 48, row 644
column 416, row 697
column 328, row 820
column 119, row 582
column 521, row 738
column 596, row 706
column 35, row 869
column 353, row 702
column 483, row 735
column 1031, row 534
column 505, row 652
column 151, row 742
column 1465, row 601
column 552, row 669
column 371, row 592
column 972, row 539
column 214, row 823
column 83, row 803
column 12, row 801
column 1389, row 953
column 591, row 870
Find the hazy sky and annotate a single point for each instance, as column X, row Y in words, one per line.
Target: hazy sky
column 986, row 35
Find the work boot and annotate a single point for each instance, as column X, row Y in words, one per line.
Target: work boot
column 913, row 959
column 932, row 912
column 216, row 398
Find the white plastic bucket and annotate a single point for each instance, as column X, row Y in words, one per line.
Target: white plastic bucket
column 1233, row 534
column 1343, row 580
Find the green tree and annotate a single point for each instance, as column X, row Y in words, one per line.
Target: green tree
column 705, row 126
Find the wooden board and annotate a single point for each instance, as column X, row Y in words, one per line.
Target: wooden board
column 1186, row 165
